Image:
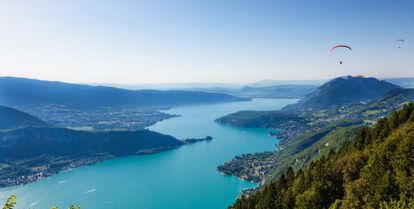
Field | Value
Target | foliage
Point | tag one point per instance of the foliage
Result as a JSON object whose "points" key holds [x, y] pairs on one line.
{"points": [[402, 203], [11, 202], [331, 141], [375, 170], [261, 119]]}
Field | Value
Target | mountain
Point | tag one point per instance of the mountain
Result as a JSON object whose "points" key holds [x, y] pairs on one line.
{"points": [[281, 91], [288, 91], [269, 82], [395, 97], [373, 170], [32, 153], [307, 132], [275, 92], [34, 141], [21, 91], [403, 82], [170, 86], [385, 104], [344, 90], [260, 119], [11, 118], [335, 100]]}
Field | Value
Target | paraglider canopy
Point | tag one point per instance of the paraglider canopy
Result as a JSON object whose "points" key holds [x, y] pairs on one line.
{"points": [[399, 42], [340, 46]]}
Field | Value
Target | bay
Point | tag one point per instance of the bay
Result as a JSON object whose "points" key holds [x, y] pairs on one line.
{"points": [[181, 178]]}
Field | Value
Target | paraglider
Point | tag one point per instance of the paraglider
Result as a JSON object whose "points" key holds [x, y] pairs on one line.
{"points": [[340, 46], [399, 42]]}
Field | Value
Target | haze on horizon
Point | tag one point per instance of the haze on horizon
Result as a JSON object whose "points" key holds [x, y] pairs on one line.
{"points": [[133, 42]]}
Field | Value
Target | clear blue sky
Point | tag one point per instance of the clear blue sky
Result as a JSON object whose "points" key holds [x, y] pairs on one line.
{"points": [[154, 41]]}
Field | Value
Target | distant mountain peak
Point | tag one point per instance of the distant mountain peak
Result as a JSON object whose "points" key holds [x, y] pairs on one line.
{"points": [[350, 76], [346, 77], [345, 90]]}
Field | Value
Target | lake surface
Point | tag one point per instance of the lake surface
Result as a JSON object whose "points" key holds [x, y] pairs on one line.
{"points": [[178, 179]]}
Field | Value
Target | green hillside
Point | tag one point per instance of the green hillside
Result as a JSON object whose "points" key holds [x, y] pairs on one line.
{"points": [[374, 170]]}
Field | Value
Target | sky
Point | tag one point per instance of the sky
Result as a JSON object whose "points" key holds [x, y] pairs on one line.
{"points": [[208, 41]]}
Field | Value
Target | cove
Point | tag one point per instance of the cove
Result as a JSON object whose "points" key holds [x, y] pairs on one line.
{"points": [[177, 179]]}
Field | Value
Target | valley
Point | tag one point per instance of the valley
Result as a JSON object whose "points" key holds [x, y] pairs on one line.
{"points": [[173, 104], [112, 118], [256, 140], [153, 180]]}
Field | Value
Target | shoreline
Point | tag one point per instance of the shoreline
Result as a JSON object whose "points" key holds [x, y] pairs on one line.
{"points": [[55, 165], [40, 172]]}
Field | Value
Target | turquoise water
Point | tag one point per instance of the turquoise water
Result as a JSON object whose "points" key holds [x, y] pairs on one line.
{"points": [[182, 178]]}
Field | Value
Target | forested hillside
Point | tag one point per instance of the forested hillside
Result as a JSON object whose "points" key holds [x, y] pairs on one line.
{"points": [[28, 154], [374, 170], [11, 118]]}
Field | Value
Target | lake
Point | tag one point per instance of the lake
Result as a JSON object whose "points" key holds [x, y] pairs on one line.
{"points": [[178, 179]]}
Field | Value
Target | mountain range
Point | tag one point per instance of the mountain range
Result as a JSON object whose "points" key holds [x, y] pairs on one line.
{"points": [[288, 91], [22, 91]]}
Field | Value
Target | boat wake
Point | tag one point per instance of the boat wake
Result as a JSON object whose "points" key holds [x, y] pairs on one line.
{"points": [[89, 191], [33, 204], [63, 181]]}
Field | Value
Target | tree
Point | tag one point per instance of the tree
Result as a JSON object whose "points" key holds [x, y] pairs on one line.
{"points": [[11, 202], [376, 170]]}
